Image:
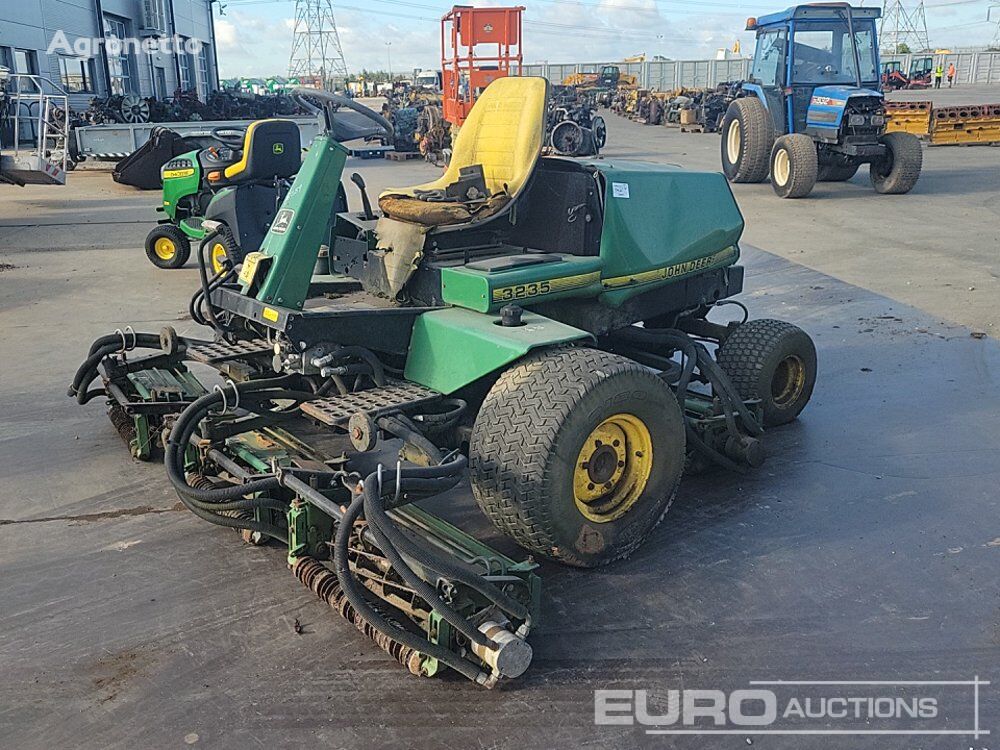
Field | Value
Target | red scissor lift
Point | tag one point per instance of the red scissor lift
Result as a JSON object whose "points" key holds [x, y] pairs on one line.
{"points": [[468, 65]]}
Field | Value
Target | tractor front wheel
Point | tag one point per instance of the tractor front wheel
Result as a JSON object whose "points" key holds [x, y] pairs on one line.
{"points": [[794, 166], [168, 247], [576, 454], [899, 170], [773, 361], [747, 136]]}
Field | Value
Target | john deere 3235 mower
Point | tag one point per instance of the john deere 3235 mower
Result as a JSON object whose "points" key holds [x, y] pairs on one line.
{"points": [[536, 324]]}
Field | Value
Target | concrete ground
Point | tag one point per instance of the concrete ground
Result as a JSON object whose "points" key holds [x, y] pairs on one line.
{"points": [[867, 548]]}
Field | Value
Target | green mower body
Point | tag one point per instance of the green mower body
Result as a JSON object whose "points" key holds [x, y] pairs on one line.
{"points": [[553, 347], [182, 192]]}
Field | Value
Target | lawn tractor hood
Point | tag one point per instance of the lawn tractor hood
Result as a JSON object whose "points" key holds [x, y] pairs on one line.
{"points": [[829, 104]]}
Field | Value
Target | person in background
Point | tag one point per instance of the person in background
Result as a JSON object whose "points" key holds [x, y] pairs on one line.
{"points": [[951, 74], [938, 75]]}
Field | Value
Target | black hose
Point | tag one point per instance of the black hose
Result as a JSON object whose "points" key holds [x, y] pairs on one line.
{"points": [[354, 592], [377, 520], [87, 371], [234, 523], [442, 566], [378, 371], [721, 383], [187, 422], [206, 285], [404, 429]]}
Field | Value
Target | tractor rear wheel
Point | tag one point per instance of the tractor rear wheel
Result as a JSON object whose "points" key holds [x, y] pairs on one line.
{"points": [[899, 171], [836, 173], [168, 247], [793, 166], [576, 454], [747, 137], [773, 361]]}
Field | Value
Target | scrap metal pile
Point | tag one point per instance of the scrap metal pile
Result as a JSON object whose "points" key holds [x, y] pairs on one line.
{"points": [[418, 121], [573, 127], [185, 106], [699, 109]]}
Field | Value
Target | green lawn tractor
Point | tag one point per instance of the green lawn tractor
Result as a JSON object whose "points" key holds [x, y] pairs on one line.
{"points": [[239, 184], [535, 326]]}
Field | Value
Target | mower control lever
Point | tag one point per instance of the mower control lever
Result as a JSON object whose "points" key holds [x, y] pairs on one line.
{"points": [[358, 180]]}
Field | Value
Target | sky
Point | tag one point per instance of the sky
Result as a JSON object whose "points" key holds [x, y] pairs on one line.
{"points": [[254, 37]]}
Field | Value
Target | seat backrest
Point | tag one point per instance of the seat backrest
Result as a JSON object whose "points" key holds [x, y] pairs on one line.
{"points": [[271, 148], [503, 133]]}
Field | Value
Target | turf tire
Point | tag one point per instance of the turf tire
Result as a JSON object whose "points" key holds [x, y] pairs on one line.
{"points": [[899, 171], [745, 151], [529, 432], [753, 357]]}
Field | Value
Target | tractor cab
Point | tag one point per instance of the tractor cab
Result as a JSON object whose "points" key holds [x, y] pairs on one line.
{"points": [[609, 77], [811, 60], [812, 110]]}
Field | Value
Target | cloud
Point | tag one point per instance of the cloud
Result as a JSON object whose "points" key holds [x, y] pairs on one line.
{"points": [[257, 41]]}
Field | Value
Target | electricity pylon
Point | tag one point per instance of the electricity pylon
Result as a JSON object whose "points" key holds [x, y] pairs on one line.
{"points": [[903, 27], [317, 58]]}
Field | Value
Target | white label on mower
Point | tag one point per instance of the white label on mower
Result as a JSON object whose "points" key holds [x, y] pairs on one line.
{"points": [[619, 189], [282, 221]]}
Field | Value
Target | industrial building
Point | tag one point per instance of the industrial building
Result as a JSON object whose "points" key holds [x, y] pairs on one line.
{"points": [[50, 38]]}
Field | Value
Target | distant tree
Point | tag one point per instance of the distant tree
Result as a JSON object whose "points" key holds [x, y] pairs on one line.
{"points": [[902, 48]]}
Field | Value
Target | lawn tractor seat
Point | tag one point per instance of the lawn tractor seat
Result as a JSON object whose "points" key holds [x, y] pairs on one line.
{"points": [[501, 138], [271, 149]]}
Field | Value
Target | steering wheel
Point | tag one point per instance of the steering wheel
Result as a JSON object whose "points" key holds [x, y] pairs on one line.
{"points": [[378, 127], [229, 136]]}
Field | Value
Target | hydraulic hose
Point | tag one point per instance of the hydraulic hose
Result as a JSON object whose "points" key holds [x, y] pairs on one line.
{"points": [[378, 371], [87, 371], [234, 523], [730, 401], [377, 519], [206, 285], [404, 429], [187, 422], [720, 381], [354, 592], [440, 565]]}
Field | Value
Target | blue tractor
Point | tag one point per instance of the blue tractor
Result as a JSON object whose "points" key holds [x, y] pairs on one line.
{"points": [[812, 109]]}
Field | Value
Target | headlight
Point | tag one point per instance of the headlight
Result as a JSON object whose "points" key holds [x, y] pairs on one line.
{"points": [[857, 120], [878, 120]]}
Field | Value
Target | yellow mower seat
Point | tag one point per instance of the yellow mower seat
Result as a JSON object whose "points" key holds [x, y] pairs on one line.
{"points": [[503, 133]]}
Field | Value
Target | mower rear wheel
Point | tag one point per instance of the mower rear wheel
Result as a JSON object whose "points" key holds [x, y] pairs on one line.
{"points": [[576, 454], [747, 137], [168, 247], [899, 171], [793, 166], [773, 361]]}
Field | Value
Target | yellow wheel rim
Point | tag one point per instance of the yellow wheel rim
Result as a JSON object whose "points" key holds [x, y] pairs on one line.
{"points": [[218, 256], [788, 380], [782, 167], [734, 140], [612, 468], [164, 248]]}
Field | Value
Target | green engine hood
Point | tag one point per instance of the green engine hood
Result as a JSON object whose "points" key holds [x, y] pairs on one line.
{"points": [[661, 223]]}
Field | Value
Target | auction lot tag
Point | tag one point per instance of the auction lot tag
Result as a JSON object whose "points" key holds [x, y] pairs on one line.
{"points": [[619, 189]]}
